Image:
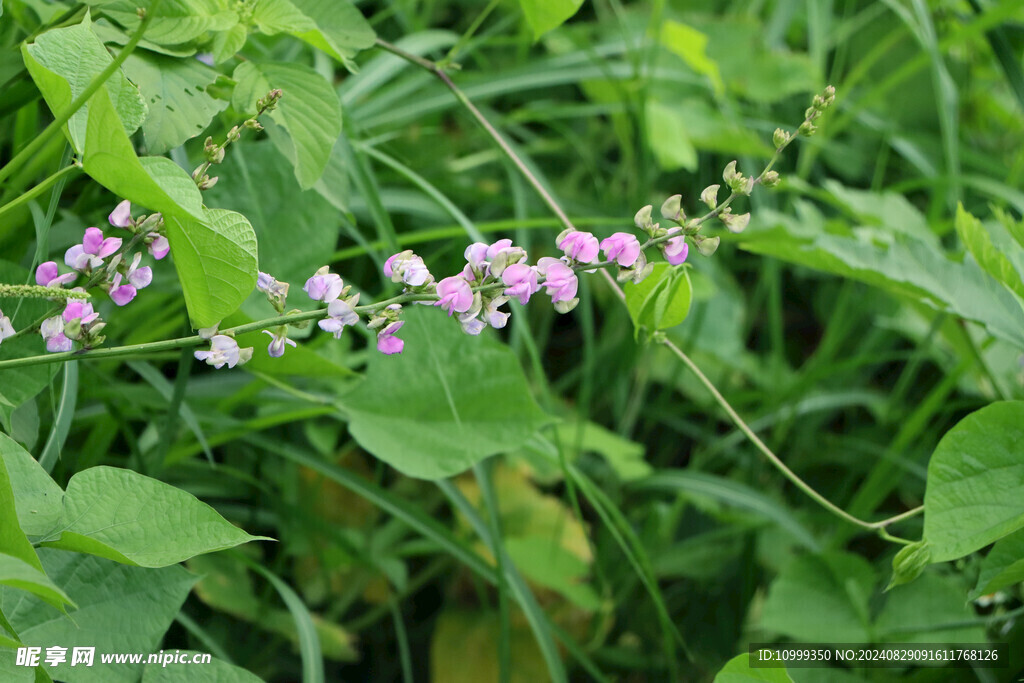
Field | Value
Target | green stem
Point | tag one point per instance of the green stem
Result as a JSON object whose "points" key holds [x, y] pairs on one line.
{"points": [[38, 189], [95, 84]]}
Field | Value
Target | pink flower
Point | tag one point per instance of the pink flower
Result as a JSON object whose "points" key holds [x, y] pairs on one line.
{"points": [[622, 248], [521, 282], [80, 310], [121, 216], [476, 255], [91, 252], [340, 313], [454, 295], [158, 245], [121, 294], [579, 246], [223, 350], [277, 342], [52, 330], [47, 275], [387, 342], [407, 268], [676, 249], [559, 278], [324, 286]]}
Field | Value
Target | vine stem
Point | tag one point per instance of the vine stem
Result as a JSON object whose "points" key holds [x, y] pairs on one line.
{"points": [[95, 84], [774, 459]]}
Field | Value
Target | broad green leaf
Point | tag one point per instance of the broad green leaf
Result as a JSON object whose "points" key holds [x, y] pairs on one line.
{"points": [[120, 609], [226, 44], [691, 45], [341, 30], [738, 670], [214, 671], [13, 541], [661, 300], [37, 497], [925, 610], [464, 649], [280, 16], [446, 402], [544, 15], [297, 230], [176, 21], [175, 91], [973, 491], [550, 565], [227, 586], [821, 598], [668, 136], [1003, 260], [888, 210], [115, 513], [309, 110], [19, 574], [64, 61], [1003, 566], [19, 385], [130, 518], [624, 456], [216, 261], [911, 269]]}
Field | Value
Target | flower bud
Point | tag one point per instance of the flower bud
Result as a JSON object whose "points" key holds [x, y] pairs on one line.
{"points": [[779, 138], [735, 222], [643, 217], [566, 306], [73, 328], [672, 208], [730, 174], [770, 179], [807, 129], [707, 245], [710, 196]]}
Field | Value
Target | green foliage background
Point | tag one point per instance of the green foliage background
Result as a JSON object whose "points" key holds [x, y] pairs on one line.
{"points": [[562, 499]]}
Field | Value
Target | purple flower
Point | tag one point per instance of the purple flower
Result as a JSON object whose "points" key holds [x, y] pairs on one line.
{"points": [[157, 244], [496, 248], [559, 278], [340, 313], [223, 349], [121, 294], [407, 268], [6, 329], [121, 216], [275, 291], [476, 255], [622, 248], [387, 342], [47, 275], [495, 318], [52, 330], [676, 249], [79, 310], [521, 282], [91, 252], [324, 286], [579, 246], [454, 295], [277, 342], [139, 277]]}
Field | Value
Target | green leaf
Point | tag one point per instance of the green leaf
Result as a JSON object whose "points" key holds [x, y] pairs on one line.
{"points": [[64, 61], [115, 513], [738, 670], [120, 609], [176, 21], [972, 495], [1003, 261], [13, 541], [176, 92], [280, 16], [691, 45], [309, 110], [669, 139], [297, 230], [19, 574], [341, 30], [544, 15], [908, 563], [821, 598], [226, 44], [548, 564], [624, 456], [661, 300], [925, 610], [1003, 566], [216, 261], [214, 671], [301, 361], [445, 403]]}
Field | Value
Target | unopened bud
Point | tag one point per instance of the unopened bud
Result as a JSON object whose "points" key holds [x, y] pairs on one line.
{"points": [[780, 138], [207, 182], [710, 196], [253, 124], [672, 209], [730, 174], [807, 129], [233, 134], [566, 306], [736, 222], [643, 217], [770, 179], [707, 245]]}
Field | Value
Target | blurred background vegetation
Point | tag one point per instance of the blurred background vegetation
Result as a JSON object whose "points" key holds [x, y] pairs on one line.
{"points": [[825, 324]]}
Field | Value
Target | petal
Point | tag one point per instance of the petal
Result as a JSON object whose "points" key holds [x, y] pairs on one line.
{"points": [[141, 277], [46, 273], [109, 246], [93, 240], [121, 216], [389, 344], [159, 247], [122, 295], [58, 344], [76, 258]]}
